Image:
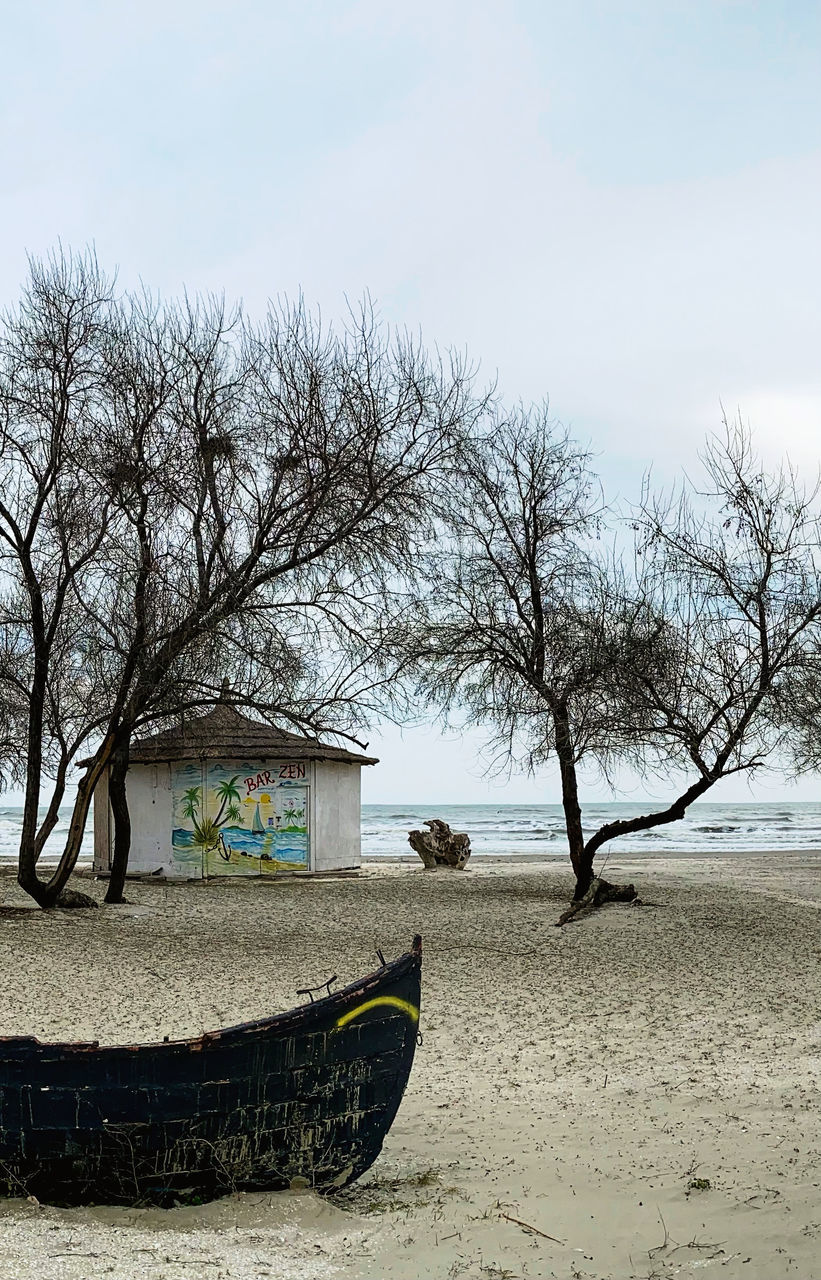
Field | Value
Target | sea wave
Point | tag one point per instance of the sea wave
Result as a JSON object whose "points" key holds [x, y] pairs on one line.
{"points": [[528, 829], [537, 829]]}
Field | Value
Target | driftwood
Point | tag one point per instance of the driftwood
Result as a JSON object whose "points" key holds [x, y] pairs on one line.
{"points": [[600, 891], [71, 898], [440, 847]]}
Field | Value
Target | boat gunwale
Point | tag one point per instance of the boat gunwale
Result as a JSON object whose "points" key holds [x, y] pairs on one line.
{"points": [[312, 1010]]}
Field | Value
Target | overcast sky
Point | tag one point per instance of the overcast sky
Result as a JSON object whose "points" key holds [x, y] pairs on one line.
{"points": [[616, 204]]}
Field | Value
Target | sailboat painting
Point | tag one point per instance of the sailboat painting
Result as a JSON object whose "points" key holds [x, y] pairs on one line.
{"points": [[240, 818]]}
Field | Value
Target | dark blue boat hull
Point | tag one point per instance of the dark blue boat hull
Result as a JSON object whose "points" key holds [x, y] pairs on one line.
{"points": [[304, 1098]]}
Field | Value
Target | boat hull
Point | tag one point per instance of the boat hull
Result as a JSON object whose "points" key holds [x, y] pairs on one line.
{"points": [[303, 1098]]}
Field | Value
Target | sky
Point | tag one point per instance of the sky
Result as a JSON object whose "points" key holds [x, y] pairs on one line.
{"points": [[615, 205]]}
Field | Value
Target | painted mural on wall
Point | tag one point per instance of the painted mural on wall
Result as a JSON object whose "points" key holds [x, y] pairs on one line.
{"points": [[249, 819]]}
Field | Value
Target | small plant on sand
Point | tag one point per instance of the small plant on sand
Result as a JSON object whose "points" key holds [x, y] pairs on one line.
{"points": [[466, 1269], [699, 1184], [397, 1195]]}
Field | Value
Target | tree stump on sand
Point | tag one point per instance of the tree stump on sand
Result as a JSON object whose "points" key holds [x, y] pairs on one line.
{"points": [[71, 898], [440, 847], [600, 891]]}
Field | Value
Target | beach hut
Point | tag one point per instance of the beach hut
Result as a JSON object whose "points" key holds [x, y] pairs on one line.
{"points": [[223, 795]]}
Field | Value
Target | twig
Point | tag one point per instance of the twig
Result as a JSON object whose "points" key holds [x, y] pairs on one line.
{"points": [[528, 1226], [13, 1176], [192, 1262], [659, 1248], [72, 1254]]}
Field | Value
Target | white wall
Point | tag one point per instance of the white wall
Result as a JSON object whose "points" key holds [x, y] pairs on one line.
{"points": [[336, 838], [148, 791]]}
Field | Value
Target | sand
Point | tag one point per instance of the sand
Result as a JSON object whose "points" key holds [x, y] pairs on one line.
{"points": [[636, 1095]]}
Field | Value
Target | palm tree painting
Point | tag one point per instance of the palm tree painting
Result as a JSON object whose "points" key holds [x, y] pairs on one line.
{"points": [[234, 824], [206, 831], [191, 802], [228, 796], [292, 817]]}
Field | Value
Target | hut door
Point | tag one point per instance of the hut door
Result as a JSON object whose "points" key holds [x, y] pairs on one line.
{"points": [[258, 819], [292, 808]]}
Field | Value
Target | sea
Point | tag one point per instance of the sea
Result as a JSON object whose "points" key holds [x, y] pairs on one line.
{"points": [[511, 830], [538, 829]]}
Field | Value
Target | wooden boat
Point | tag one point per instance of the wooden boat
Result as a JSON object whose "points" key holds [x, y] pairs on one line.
{"points": [[303, 1098]]}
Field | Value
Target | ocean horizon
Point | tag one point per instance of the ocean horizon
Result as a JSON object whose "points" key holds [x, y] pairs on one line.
{"points": [[513, 830], [537, 830]]}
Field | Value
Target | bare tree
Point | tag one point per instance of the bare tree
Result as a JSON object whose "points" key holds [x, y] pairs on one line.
{"points": [[733, 571], [236, 493], [53, 519], [675, 667]]}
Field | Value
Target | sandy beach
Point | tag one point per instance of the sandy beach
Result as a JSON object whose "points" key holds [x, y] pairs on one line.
{"points": [[635, 1095]]}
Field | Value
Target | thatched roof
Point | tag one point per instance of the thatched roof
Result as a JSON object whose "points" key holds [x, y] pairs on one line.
{"points": [[224, 733]]}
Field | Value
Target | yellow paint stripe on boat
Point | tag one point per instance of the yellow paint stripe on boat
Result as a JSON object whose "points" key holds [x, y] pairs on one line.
{"points": [[394, 1001]]}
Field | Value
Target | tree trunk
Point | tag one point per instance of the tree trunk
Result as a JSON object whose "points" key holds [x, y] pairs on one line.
{"points": [[582, 866], [28, 853], [592, 891], [647, 821], [46, 893], [52, 817], [122, 822]]}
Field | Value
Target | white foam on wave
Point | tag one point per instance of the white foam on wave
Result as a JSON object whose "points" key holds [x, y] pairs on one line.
{"points": [[532, 829]]}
